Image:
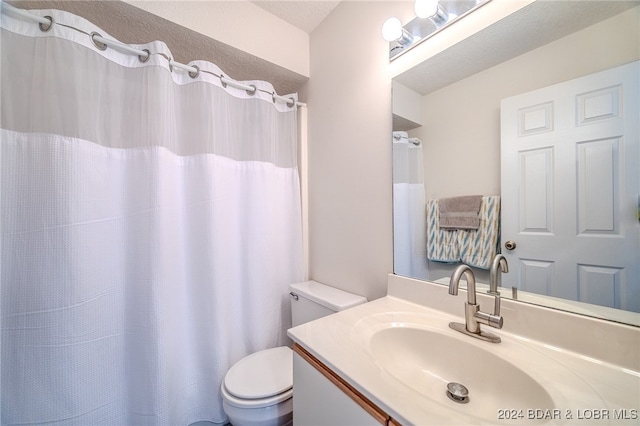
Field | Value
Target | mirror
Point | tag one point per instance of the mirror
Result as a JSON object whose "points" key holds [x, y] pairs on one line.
{"points": [[451, 104]]}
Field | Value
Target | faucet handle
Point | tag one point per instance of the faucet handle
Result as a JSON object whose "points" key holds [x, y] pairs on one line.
{"points": [[494, 321]]}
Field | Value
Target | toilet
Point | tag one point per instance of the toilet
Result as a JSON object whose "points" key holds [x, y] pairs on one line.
{"points": [[258, 389]]}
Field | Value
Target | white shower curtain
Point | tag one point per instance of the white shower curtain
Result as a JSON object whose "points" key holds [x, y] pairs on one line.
{"points": [[151, 225], [409, 217]]}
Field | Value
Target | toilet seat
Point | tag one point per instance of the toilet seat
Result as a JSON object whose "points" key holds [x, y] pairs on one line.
{"points": [[255, 403], [260, 379]]}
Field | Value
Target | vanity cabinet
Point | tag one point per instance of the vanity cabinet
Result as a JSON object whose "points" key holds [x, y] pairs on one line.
{"points": [[321, 397]]}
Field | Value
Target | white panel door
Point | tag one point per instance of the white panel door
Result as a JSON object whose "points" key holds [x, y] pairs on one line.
{"points": [[570, 189]]}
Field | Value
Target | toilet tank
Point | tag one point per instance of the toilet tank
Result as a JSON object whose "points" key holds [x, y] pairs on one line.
{"points": [[312, 300]]}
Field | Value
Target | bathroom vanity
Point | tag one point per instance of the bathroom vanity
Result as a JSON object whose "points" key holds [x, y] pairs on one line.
{"points": [[389, 361], [340, 403]]}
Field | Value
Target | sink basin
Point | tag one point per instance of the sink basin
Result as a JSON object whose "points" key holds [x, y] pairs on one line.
{"points": [[402, 356], [427, 359]]}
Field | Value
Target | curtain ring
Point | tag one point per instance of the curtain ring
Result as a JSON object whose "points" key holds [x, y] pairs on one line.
{"points": [[144, 59], [196, 73], [224, 85], [97, 44], [170, 66], [253, 90], [43, 27], [293, 102]]}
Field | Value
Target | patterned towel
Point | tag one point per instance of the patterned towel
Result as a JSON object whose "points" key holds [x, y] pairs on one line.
{"points": [[479, 247], [474, 247], [442, 244]]}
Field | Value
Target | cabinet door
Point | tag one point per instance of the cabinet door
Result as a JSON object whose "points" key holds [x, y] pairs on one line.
{"points": [[318, 401]]}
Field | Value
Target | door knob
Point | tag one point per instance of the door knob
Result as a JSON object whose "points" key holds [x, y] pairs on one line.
{"points": [[510, 245]]}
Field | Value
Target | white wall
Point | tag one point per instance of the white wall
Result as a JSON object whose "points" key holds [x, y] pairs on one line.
{"points": [[406, 107], [349, 97]]}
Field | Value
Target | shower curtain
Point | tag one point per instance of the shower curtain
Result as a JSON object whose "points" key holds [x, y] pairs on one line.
{"points": [[409, 218], [150, 227]]}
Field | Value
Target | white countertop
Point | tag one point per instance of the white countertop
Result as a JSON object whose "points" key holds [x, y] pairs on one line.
{"points": [[581, 387]]}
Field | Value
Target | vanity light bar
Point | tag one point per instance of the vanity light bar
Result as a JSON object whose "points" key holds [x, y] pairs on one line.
{"points": [[432, 17]]}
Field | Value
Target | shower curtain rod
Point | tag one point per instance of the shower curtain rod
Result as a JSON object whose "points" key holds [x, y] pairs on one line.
{"points": [[45, 23], [414, 141]]}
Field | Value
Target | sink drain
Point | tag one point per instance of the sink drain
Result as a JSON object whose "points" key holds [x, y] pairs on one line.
{"points": [[458, 393]]}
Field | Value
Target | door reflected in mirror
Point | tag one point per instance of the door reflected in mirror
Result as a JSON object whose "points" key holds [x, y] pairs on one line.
{"points": [[593, 265]]}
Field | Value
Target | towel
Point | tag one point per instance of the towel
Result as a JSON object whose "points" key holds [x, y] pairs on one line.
{"points": [[442, 245], [460, 212], [479, 247], [475, 247]]}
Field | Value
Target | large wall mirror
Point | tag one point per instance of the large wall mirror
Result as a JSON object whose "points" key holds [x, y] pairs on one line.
{"points": [[449, 124]]}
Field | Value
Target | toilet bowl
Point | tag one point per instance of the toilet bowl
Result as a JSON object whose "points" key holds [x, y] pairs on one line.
{"points": [[258, 389]]}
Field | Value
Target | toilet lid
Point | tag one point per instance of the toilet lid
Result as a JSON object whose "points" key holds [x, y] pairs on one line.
{"points": [[261, 374]]}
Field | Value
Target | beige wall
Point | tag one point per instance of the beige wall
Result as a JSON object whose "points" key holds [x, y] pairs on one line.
{"points": [[240, 24], [349, 97], [461, 133]]}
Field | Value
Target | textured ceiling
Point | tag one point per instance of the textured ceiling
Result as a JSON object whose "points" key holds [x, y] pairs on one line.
{"points": [[305, 15]]}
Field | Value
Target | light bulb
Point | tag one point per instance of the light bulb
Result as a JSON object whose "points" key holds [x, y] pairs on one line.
{"points": [[426, 8], [392, 29]]}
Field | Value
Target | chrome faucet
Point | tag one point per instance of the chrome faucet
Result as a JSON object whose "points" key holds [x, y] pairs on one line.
{"points": [[494, 279], [472, 314]]}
